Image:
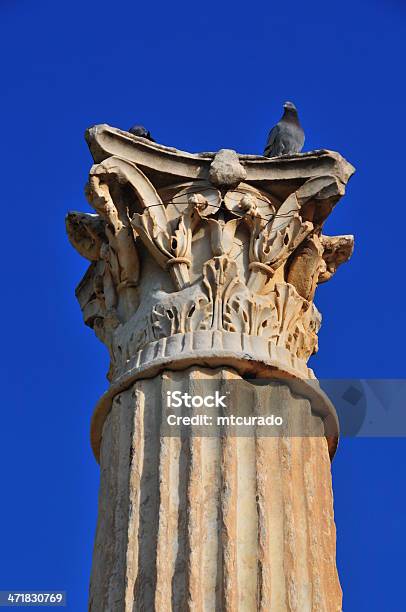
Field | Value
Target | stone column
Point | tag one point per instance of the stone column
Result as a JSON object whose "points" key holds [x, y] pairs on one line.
{"points": [[203, 272]]}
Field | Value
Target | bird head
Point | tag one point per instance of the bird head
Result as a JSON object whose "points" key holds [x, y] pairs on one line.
{"points": [[289, 106]]}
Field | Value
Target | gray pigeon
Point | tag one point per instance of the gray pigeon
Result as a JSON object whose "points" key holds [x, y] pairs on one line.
{"points": [[139, 130], [287, 136]]}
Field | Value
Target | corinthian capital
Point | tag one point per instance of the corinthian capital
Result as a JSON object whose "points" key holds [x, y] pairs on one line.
{"points": [[205, 258]]}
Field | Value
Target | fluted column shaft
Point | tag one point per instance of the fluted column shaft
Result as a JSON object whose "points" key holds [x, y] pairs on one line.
{"points": [[230, 523]]}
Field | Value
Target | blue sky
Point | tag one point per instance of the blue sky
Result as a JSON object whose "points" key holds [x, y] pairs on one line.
{"points": [[201, 77]]}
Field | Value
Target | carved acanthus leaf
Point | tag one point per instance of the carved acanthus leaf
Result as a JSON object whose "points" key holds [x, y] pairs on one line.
{"points": [[272, 241], [180, 317], [289, 307], [248, 315], [222, 282], [171, 246]]}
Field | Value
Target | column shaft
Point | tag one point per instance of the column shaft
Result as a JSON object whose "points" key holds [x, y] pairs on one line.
{"points": [[233, 523]]}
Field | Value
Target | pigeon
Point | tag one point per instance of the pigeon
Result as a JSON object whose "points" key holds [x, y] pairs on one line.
{"points": [[139, 130], [287, 136]]}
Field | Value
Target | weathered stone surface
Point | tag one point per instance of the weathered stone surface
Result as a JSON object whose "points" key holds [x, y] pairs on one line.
{"points": [[209, 261], [336, 251], [210, 523], [226, 170]]}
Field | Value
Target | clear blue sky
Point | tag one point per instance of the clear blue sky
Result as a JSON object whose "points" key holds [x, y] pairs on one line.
{"points": [[201, 76]]}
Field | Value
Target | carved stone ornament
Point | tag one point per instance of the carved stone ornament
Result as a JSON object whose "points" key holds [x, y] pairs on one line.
{"points": [[208, 259]]}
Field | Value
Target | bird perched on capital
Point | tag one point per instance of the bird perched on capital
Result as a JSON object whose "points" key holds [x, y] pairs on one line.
{"points": [[287, 136], [140, 130]]}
